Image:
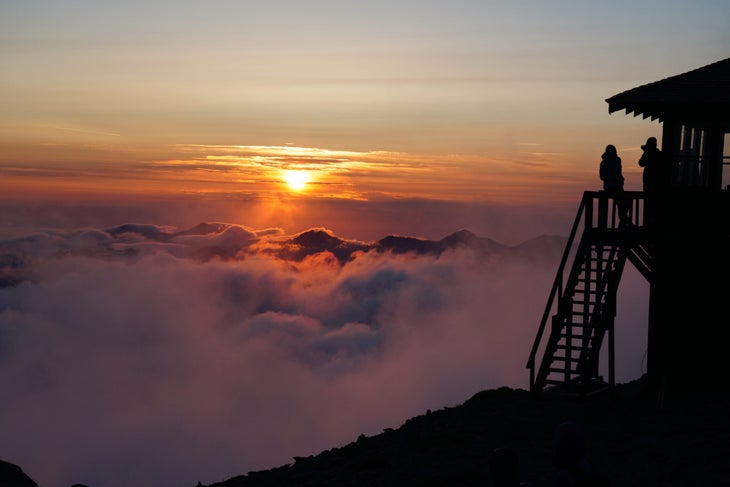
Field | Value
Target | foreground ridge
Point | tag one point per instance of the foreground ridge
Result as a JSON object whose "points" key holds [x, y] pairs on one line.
{"points": [[632, 440]]}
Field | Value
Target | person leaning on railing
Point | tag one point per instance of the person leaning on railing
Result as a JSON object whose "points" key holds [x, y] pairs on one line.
{"points": [[611, 174]]}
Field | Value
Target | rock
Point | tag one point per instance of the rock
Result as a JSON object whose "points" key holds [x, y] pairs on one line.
{"points": [[12, 475]]}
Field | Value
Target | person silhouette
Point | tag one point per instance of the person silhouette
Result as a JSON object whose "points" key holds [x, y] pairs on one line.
{"points": [[655, 178], [652, 160], [611, 174]]}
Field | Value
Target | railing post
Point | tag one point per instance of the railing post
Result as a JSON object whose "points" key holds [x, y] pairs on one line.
{"points": [[602, 210], [588, 201]]}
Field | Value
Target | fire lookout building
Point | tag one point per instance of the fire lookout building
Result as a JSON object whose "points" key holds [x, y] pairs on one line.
{"points": [[682, 250]]}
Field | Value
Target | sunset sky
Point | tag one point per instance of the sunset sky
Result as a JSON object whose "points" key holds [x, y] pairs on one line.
{"points": [[471, 103], [138, 347]]}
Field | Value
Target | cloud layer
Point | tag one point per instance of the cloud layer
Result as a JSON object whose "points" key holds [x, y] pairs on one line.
{"points": [[145, 355]]}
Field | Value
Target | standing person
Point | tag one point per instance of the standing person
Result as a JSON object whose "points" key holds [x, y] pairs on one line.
{"points": [[652, 160], [656, 177], [611, 174]]}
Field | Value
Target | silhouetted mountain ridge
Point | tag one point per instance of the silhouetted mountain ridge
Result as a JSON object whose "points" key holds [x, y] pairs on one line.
{"points": [[541, 247], [206, 241], [546, 247], [204, 228], [403, 245], [631, 440]]}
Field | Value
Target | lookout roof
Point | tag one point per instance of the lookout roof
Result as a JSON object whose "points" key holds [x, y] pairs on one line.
{"points": [[700, 95]]}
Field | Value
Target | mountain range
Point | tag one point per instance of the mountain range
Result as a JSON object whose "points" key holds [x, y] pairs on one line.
{"points": [[207, 241]]}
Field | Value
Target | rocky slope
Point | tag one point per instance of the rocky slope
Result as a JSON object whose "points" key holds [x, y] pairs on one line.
{"points": [[632, 438]]}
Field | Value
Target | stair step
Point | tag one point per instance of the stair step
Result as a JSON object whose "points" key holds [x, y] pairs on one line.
{"points": [[562, 371], [580, 328], [577, 320], [594, 286], [595, 259], [574, 323], [586, 291], [562, 358], [599, 265], [554, 382], [578, 334], [565, 337], [580, 313], [581, 302]]}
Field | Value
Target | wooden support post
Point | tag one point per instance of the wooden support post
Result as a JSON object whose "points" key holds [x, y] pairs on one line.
{"points": [[611, 354], [602, 210]]}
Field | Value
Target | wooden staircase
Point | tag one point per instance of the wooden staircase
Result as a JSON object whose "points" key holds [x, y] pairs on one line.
{"points": [[582, 301]]}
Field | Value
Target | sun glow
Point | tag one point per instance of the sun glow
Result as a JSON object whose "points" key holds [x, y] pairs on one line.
{"points": [[296, 180]]}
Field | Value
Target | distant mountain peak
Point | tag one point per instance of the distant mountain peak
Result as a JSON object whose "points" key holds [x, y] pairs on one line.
{"points": [[460, 237], [205, 228], [402, 245], [316, 237]]}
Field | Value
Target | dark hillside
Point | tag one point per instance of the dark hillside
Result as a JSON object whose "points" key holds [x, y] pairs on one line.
{"points": [[631, 440]]}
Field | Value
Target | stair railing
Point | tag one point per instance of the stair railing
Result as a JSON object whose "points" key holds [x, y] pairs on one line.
{"points": [[586, 215]]}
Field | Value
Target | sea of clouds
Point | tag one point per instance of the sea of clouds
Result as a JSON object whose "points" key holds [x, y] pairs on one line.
{"points": [[146, 355]]}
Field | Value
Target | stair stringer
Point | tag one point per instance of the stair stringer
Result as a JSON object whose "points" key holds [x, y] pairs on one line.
{"points": [[585, 312]]}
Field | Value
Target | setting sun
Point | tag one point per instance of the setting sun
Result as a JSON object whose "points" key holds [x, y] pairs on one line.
{"points": [[296, 180]]}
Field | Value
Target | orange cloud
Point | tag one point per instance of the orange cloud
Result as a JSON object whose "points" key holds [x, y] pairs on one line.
{"points": [[260, 171]]}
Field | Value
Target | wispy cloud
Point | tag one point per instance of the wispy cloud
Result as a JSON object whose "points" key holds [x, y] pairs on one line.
{"points": [[359, 175], [71, 129], [337, 174]]}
